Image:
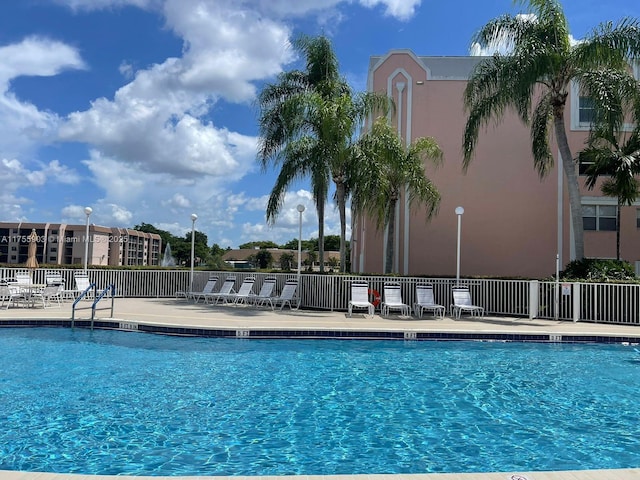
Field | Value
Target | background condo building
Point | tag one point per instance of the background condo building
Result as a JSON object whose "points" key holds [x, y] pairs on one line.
{"points": [[513, 223], [62, 244]]}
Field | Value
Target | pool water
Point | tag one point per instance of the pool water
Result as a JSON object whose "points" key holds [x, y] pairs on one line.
{"points": [[109, 402]]}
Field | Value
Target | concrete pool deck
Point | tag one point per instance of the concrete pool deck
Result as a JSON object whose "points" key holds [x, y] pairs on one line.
{"points": [[168, 312]]}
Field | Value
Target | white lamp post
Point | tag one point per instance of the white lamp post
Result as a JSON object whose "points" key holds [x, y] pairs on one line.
{"points": [[87, 212], [300, 209], [459, 212], [194, 217]]}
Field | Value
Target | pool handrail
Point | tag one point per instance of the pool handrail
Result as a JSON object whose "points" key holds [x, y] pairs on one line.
{"points": [[110, 287], [83, 294]]}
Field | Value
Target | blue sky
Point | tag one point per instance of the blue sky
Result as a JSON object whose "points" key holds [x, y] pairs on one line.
{"points": [[144, 109]]}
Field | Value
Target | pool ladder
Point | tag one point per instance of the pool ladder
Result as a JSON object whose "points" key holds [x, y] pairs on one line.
{"points": [[92, 288]]}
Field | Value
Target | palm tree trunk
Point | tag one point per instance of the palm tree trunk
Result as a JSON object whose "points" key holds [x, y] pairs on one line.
{"points": [[391, 235], [341, 199], [575, 199], [618, 231], [320, 209]]}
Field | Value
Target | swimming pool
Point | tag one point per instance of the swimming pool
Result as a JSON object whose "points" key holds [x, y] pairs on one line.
{"points": [[110, 402]]}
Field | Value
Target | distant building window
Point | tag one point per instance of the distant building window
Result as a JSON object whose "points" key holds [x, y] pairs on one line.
{"points": [[602, 218], [637, 217], [586, 111]]}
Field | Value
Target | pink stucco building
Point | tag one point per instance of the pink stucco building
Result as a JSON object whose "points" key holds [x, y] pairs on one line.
{"points": [[514, 223]]}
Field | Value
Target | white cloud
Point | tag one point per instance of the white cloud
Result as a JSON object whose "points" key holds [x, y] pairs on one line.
{"points": [[73, 214], [101, 4], [156, 122], [24, 126], [401, 9], [36, 56]]}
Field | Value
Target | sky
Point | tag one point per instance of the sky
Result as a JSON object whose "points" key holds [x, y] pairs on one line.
{"points": [[144, 110]]}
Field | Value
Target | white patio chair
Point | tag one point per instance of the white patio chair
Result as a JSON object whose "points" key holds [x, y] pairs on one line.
{"points": [[12, 294], [47, 295], [208, 288], [265, 295], [425, 302], [360, 298], [225, 289], [462, 303], [23, 278], [53, 277], [393, 300], [243, 293], [287, 296]]}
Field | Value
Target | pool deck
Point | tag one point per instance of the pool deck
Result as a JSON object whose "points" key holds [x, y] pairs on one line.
{"points": [[180, 313]]}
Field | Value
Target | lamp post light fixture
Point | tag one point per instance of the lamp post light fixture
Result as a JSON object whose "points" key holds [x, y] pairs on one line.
{"points": [[87, 212], [459, 212], [300, 209], [194, 217]]}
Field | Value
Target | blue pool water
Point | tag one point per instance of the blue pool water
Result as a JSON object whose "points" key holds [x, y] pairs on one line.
{"points": [[108, 402]]}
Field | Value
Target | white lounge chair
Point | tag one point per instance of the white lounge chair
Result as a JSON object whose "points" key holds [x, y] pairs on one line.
{"points": [[208, 288], [265, 295], [287, 296], [462, 303], [360, 298], [82, 284], [425, 302], [393, 300], [242, 295], [225, 289]]}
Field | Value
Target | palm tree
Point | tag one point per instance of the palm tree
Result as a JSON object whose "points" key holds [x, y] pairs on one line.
{"points": [[619, 159], [290, 131], [541, 66], [385, 169], [349, 113], [307, 124]]}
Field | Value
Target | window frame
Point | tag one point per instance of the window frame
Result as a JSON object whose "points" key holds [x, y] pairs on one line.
{"points": [[598, 217]]}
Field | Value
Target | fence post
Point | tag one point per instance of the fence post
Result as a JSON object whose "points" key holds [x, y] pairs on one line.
{"points": [[534, 294], [576, 301]]}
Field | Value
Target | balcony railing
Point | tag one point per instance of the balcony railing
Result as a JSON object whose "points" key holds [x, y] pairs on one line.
{"points": [[591, 302]]}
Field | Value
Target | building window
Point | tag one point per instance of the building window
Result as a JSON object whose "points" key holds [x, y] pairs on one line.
{"points": [[637, 217], [601, 218], [586, 111], [583, 166]]}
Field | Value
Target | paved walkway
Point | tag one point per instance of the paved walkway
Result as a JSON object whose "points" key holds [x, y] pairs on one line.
{"points": [[170, 312]]}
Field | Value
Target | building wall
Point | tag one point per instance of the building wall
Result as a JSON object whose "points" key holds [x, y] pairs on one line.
{"points": [[510, 221]]}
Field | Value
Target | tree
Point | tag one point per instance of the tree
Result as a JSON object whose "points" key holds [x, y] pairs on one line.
{"points": [[259, 244], [385, 169], [312, 256], [307, 123], [264, 258], [286, 261], [215, 257], [616, 154], [332, 242], [541, 65]]}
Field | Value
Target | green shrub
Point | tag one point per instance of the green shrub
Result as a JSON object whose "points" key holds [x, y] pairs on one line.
{"points": [[599, 270]]}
